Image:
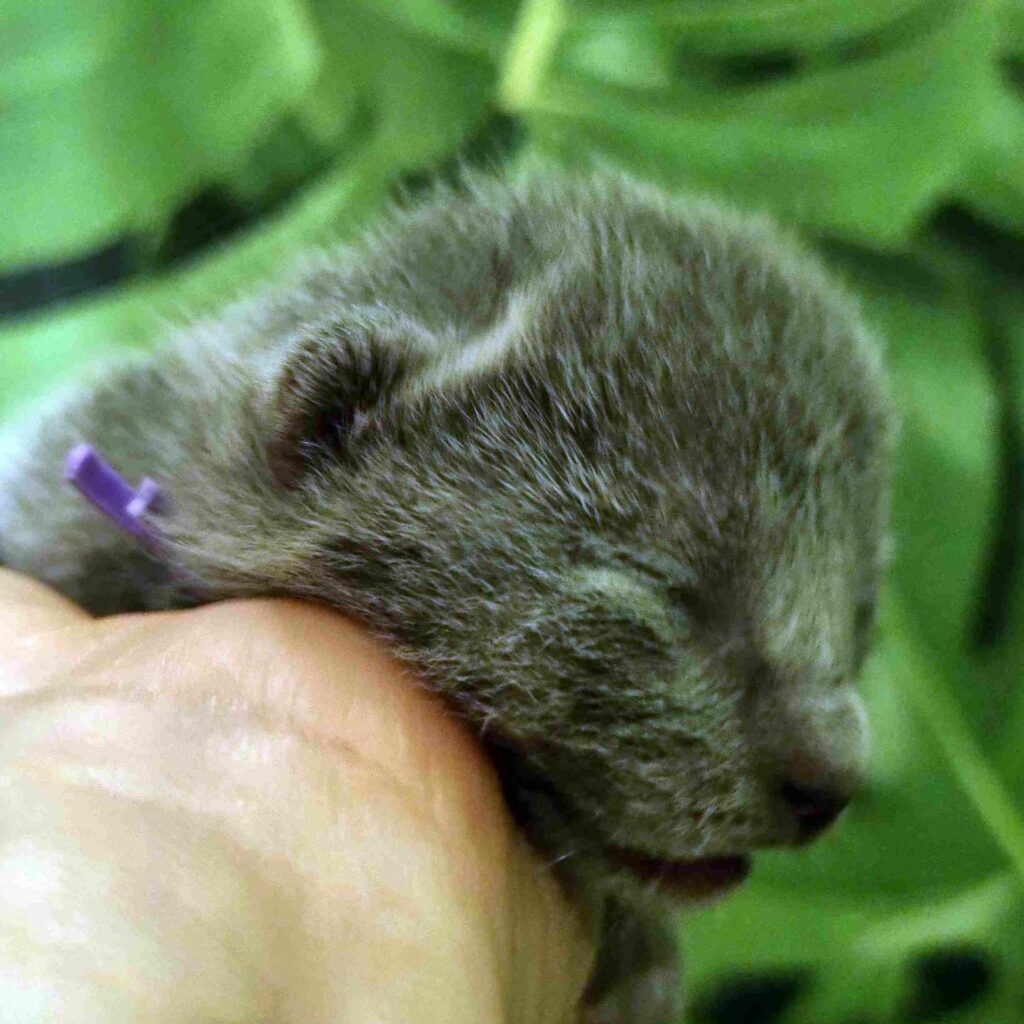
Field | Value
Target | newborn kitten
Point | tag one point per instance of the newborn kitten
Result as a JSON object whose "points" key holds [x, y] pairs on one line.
{"points": [[609, 470]]}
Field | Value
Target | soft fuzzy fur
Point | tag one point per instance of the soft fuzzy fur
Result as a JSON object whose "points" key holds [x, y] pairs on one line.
{"points": [[609, 470]]}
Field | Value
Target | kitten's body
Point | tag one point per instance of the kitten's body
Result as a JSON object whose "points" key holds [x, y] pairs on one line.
{"points": [[609, 471]]}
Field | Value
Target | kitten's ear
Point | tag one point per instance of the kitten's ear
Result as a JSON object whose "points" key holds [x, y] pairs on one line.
{"points": [[331, 389]]}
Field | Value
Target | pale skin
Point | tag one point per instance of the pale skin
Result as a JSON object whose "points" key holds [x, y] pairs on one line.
{"points": [[250, 812]]}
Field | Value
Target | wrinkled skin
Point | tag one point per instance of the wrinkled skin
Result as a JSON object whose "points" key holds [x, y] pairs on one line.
{"points": [[247, 813], [610, 472]]}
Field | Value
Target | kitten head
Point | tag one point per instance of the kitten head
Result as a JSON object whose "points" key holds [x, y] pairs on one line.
{"points": [[621, 493]]}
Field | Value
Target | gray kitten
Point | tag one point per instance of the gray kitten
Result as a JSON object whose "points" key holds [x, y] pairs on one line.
{"points": [[608, 469]]}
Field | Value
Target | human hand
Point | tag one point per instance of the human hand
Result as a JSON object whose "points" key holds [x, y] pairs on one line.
{"points": [[248, 812]]}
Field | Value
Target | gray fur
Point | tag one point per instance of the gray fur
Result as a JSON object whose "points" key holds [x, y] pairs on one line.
{"points": [[616, 486]]}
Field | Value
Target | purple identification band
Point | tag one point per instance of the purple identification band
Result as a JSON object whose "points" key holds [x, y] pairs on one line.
{"points": [[101, 485]]}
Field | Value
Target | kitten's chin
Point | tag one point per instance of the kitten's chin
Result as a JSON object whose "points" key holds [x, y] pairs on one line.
{"points": [[701, 881]]}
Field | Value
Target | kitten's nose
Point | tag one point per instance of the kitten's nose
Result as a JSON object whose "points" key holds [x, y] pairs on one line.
{"points": [[815, 806]]}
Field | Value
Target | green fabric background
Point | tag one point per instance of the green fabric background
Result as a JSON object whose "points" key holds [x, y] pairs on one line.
{"points": [[890, 131]]}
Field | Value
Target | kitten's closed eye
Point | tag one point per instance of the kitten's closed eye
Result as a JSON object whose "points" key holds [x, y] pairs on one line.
{"points": [[672, 581]]}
